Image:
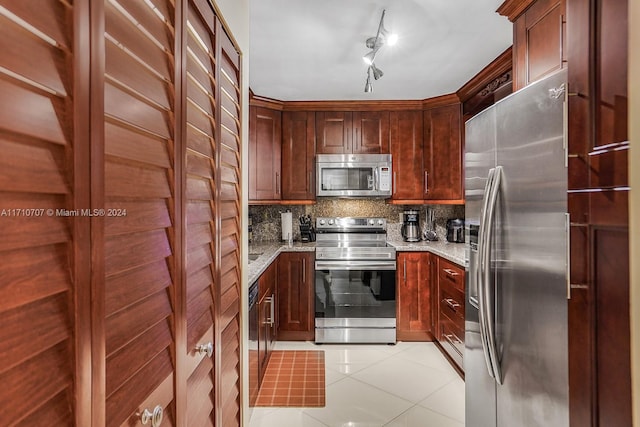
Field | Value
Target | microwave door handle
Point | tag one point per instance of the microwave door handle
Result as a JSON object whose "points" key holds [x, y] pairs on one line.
{"points": [[376, 179]]}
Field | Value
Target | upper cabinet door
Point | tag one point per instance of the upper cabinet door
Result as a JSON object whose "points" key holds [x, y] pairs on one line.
{"points": [[264, 154], [406, 148], [371, 132], [538, 40], [442, 153], [333, 132], [298, 150]]}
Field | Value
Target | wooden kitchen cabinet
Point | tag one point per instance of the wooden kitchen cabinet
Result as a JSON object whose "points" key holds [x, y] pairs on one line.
{"points": [[599, 336], [450, 282], [538, 38], [295, 293], [298, 155], [265, 133], [345, 132], [442, 154], [413, 295], [406, 134], [267, 316]]}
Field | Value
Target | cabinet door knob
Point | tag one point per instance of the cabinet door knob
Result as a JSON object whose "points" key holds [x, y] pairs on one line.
{"points": [[205, 349], [155, 417]]}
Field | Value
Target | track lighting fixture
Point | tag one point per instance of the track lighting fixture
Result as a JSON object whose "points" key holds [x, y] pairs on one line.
{"points": [[367, 87], [383, 36]]}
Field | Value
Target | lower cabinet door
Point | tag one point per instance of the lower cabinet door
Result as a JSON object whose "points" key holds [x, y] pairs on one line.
{"points": [[295, 296], [413, 287]]}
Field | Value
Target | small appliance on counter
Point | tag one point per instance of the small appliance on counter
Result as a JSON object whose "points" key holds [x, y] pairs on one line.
{"points": [[307, 232], [411, 226], [455, 230], [429, 227]]}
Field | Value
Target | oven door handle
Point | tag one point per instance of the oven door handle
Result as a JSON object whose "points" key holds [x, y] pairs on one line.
{"points": [[355, 265]]}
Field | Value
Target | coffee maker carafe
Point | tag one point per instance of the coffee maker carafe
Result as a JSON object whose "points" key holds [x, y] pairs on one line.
{"points": [[411, 226]]}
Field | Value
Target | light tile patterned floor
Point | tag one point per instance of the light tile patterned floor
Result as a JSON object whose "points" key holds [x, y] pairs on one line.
{"points": [[406, 385]]}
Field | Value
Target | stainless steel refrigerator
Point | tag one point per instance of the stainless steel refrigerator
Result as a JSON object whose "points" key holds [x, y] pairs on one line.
{"points": [[516, 349]]}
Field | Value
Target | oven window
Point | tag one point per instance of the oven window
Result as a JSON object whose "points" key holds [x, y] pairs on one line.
{"points": [[355, 294], [336, 179]]}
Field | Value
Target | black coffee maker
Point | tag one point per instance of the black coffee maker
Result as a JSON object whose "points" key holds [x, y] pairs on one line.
{"points": [[455, 230], [411, 226]]}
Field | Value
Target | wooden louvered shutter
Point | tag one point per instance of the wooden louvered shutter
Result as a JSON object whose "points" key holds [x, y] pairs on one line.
{"points": [[43, 267], [139, 242], [228, 224], [200, 225]]}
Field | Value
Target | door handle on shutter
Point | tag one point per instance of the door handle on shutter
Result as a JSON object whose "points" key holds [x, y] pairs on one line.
{"points": [[155, 417], [205, 349], [426, 182], [277, 183]]}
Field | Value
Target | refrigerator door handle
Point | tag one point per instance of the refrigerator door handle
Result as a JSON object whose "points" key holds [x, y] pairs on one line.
{"points": [[489, 301], [482, 315]]}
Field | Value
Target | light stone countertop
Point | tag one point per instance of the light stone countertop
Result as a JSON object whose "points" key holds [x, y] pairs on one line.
{"points": [[269, 251]]}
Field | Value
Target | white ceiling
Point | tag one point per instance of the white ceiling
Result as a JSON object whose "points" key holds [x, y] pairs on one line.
{"points": [[302, 50]]}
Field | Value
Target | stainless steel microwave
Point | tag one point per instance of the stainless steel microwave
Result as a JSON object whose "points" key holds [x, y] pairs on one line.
{"points": [[353, 175]]}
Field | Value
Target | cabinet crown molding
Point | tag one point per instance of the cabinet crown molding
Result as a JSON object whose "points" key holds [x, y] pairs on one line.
{"points": [[501, 65], [512, 9], [392, 105]]}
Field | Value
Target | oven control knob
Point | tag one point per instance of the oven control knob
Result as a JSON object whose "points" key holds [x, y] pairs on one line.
{"points": [[380, 222], [322, 222], [330, 222], [371, 222]]}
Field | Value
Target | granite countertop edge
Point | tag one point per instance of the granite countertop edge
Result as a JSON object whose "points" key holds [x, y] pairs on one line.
{"points": [[454, 252]]}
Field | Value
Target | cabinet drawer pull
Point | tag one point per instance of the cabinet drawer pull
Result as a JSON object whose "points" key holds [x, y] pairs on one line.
{"points": [[205, 349], [453, 340], [155, 417], [272, 310], [451, 272], [451, 303]]}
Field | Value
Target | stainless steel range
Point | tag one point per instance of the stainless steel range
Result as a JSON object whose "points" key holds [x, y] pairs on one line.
{"points": [[355, 281]]}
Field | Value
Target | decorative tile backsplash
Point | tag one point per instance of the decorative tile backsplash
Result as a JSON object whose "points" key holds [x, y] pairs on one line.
{"points": [[266, 219]]}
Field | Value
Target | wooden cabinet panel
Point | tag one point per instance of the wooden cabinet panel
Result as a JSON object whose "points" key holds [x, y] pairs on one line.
{"points": [[611, 268], [611, 73], [298, 155], [406, 136], [264, 153], [365, 132], [333, 132], [413, 294], [450, 288], [538, 41], [267, 315], [295, 296], [371, 132], [443, 153]]}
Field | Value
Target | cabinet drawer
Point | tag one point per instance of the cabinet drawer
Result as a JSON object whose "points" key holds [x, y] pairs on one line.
{"points": [[452, 303], [452, 340], [451, 273]]}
